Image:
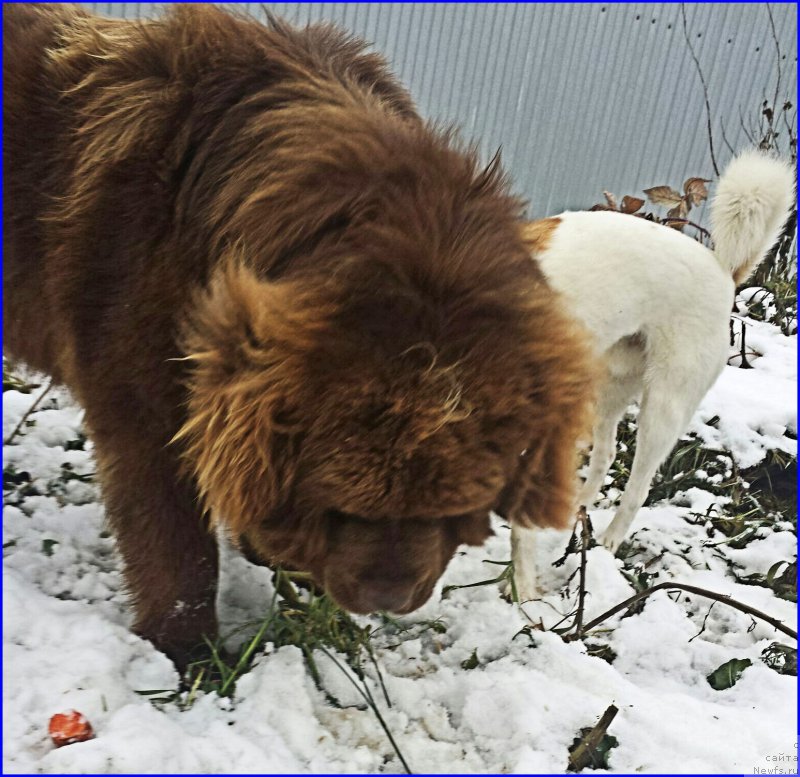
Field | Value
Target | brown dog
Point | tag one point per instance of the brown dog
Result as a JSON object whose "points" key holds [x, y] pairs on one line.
{"points": [[286, 303]]}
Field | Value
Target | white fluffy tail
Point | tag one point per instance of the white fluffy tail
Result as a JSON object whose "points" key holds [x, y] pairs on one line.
{"points": [[753, 199]]}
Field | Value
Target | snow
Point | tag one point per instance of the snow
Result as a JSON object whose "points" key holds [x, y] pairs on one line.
{"points": [[67, 642], [757, 406]]}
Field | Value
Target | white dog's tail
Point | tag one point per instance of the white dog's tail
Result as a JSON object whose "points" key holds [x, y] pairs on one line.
{"points": [[753, 199]]}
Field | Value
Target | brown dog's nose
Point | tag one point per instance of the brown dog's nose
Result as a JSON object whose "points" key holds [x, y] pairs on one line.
{"points": [[392, 595]]}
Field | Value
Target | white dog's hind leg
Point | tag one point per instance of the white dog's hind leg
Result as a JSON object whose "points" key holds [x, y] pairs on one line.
{"points": [[681, 367], [604, 445], [665, 413], [610, 409], [623, 385]]}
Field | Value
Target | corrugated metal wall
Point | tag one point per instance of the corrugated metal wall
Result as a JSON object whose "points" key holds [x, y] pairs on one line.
{"points": [[581, 97]]}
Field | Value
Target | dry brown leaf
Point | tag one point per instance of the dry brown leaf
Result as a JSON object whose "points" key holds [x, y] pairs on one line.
{"points": [[663, 195], [696, 190], [680, 211], [630, 204]]}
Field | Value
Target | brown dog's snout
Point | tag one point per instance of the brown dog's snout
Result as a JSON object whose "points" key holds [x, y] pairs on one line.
{"points": [[386, 594], [367, 592]]}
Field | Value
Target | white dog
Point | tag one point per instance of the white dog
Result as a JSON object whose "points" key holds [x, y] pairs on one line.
{"points": [[657, 305]]}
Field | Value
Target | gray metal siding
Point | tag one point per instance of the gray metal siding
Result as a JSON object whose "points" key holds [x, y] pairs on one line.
{"points": [[581, 97]]}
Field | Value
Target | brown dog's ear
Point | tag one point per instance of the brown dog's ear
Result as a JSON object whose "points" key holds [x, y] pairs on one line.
{"points": [[248, 341], [542, 492]]}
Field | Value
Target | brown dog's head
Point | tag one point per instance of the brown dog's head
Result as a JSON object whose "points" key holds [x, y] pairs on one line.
{"points": [[366, 460], [359, 416]]}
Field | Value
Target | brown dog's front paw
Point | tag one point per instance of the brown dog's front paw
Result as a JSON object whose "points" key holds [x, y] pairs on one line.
{"points": [[182, 634]]}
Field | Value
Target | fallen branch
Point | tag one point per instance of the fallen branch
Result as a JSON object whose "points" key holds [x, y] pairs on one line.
{"points": [[28, 412], [745, 608], [581, 756]]}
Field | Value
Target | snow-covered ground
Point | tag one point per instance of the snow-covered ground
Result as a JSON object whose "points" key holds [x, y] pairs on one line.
{"points": [[67, 642]]}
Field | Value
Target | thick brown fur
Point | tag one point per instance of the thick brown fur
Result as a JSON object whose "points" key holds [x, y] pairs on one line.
{"points": [[288, 306]]}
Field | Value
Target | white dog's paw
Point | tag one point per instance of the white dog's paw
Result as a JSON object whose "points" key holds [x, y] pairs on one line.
{"points": [[612, 539]]}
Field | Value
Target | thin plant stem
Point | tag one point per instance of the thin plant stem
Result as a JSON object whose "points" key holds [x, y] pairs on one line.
{"points": [[369, 699], [28, 412]]}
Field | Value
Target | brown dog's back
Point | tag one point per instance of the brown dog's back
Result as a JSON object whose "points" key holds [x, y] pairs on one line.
{"points": [[32, 119]]}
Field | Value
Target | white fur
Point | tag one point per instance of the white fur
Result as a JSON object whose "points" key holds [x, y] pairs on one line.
{"points": [[749, 210], [657, 304]]}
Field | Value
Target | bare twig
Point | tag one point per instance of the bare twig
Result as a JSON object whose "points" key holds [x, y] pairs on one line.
{"points": [[747, 133], [790, 132], [777, 55], [705, 89], [28, 412], [581, 756], [586, 534], [675, 220], [725, 139], [745, 365], [743, 350], [745, 608], [705, 620]]}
